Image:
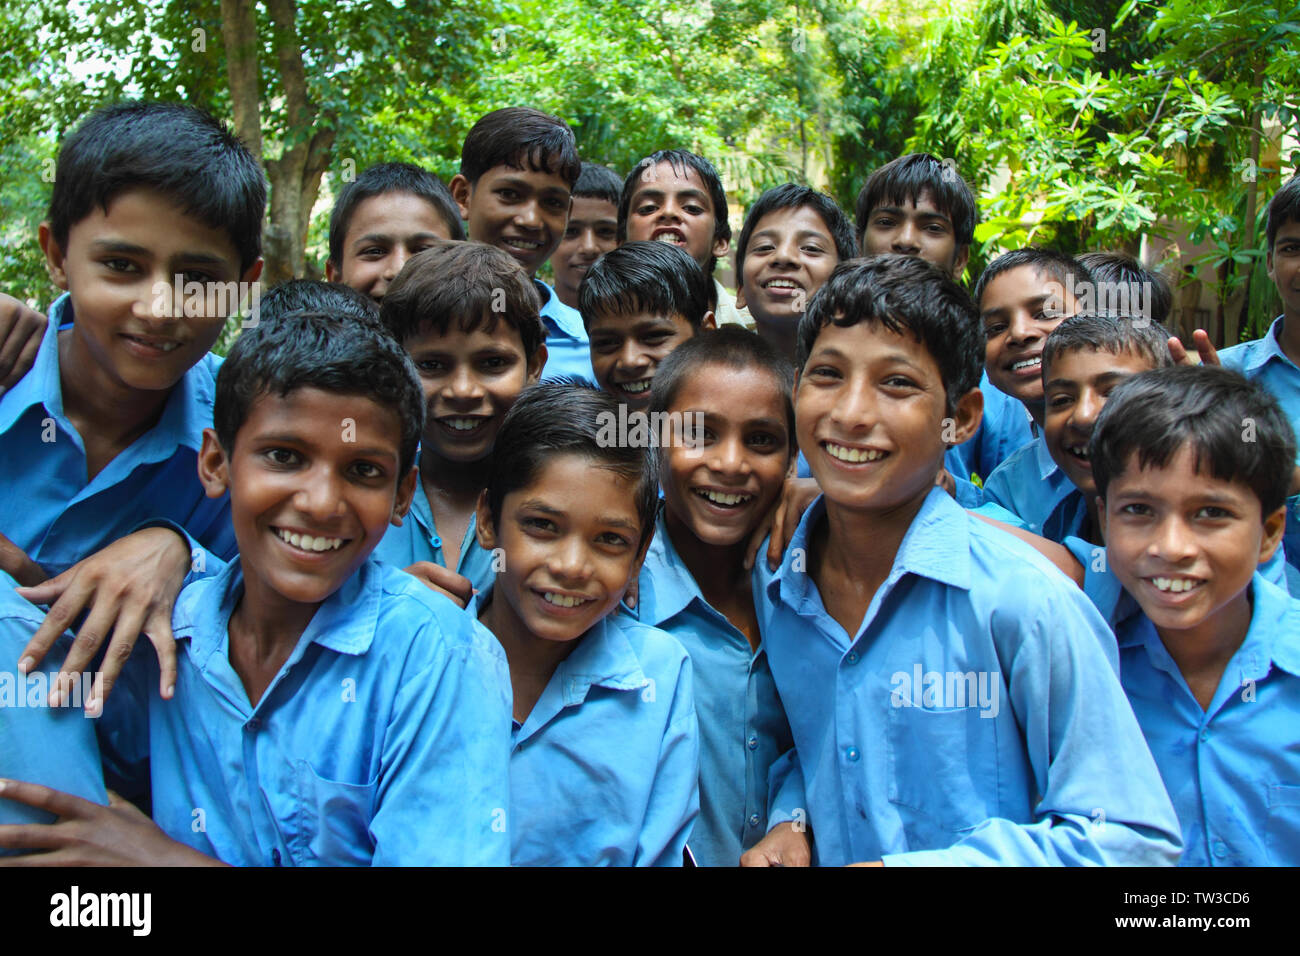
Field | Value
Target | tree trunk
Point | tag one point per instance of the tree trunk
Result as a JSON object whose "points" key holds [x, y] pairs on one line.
{"points": [[1238, 319]]}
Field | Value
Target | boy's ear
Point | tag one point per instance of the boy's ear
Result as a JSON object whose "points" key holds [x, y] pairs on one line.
{"points": [[1274, 526], [740, 297], [405, 494], [710, 321], [536, 364], [214, 467], [332, 272], [462, 192], [53, 255], [966, 417], [959, 260], [1101, 518], [254, 272], [720, 247], [483, 529]]}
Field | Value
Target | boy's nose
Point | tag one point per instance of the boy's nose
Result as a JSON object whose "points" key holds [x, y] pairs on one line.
{"points": [[1086, 410], [856, 406], [393, 264], [528, 215], [1173, 542], [728, 457], [568, 560], [1021, 327], [318, 495], [631, 355], [462, 384], [906, 240]]}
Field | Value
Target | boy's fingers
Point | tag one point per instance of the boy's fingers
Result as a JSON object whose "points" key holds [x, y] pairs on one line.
{"points": [[1205, 348], [776, 544], [25, 342], [159, 631], [126, 631], [90, 638], [43, 798], [72, 597], [1178, 352]]}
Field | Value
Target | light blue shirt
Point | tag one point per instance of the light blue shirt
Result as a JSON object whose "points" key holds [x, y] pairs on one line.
{"points": [[1233, 770], [417, 540], [55, 515], [1037, 493], [604, 771], [568, 351], [1264, 361], [1006, 426], [384, 738], [743, 728], [974, 718], [53, 746]]}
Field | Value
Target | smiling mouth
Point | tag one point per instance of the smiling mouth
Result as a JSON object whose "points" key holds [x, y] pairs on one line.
{"points": [[1079, 453], [853, 455], [517, 244], [307, 542], [638, 388], [564, 600], [463, 424], [722, 499], [674, 236], [158, 345], [782, 284], [1030, 364], [1176, 585]]}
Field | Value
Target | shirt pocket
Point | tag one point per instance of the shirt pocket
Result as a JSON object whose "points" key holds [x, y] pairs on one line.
{"points": [[332, 822], [1284, 825], [943, 772]]}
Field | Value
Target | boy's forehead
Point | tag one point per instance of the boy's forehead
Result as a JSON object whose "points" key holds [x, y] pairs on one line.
{"points": [[313, 412], [742, 394], [397, 213], [1082, 364], [529, 174], [582, 486], [609, 319], [592, 208], [130, 222], [866, 342], [793, 217], [663, 177], [922, 202], [487, 329]]}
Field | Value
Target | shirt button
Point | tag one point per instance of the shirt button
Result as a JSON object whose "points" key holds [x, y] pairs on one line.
{"points": [[1220, 849], [853, 657], [255, 724], [752, 742], [852, 754], [753, 819], [1205, 734]]}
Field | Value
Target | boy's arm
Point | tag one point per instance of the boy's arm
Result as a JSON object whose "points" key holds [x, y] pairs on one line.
{"points": [[444, 793], [1102, 800], [786, 842], [796, 495], [675, 794], [21, 332]]}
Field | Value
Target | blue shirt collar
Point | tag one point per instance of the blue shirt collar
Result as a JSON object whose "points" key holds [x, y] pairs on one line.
{"points": [[936, 546], [557, 316], [671, 586], [1046, 464], [1266, 349], [188, 410], [1273, 636]]}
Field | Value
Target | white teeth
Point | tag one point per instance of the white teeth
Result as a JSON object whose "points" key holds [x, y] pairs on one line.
{"points": [[781, 284], [1176, 585], [307, 542], [1079, 450], [563, 600], [635, 387], [853, 454], [718, 498], [463, 424], [521, 243], [672, 237], [161, 346], [1035, 362]]}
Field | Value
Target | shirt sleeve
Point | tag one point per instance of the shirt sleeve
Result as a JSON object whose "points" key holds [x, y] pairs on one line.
{"points": [[1102, 800], [443, 793], [787, 798], [675, 796]]}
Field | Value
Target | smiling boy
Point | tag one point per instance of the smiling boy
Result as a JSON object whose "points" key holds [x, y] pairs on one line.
{"points": [[886, 575], [1193, 500], [591, 232]]}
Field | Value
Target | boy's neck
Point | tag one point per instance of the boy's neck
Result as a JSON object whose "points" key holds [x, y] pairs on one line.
{"points": [[532, 660], [1289, 340], [859, 547], [264, 628], [1202, 653], [104, 411], [782, 336], [1037, 411], [719, 570], [453, 482]]}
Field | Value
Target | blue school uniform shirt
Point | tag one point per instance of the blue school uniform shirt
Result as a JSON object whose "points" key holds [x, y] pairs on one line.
{"points": [[1264, 361], [604, 771], [1011, 757], [55, 515], [417, 540], [1006, 426], [743, 728], [1233, 770], [383, 740], [52, 746], [568, 351], [1038, 494]]}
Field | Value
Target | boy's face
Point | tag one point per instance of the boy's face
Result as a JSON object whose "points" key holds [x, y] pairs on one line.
{"points": [[790, 255], [870, 410], [134, 325], [571, 540], [1284, 267], [917, 229], [1016, 324], [668, 206], [521, 211], [384, 232], [314, 484], [721, 494], [592, 231], [1078, 384], [627, 349], [1186, 545], [470, 380]]}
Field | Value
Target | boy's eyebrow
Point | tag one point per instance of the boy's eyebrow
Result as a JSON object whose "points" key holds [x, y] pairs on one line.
{"points": [[537, 504], [1031, 302], [686, 192], [899, 210], [801, 234], [390, 238], [1061, 383], [288, 438], [121, 247], [517, 182]]}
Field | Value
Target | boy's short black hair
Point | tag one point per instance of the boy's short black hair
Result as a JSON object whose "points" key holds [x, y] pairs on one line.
{"points": [[908, 178], [1131, 284], [731, 346], [1283, 207], [1116, 334], [329, 351], [1154, 414], [522, 138], [309, 295], [905, 294], [179, 151], [598, 182], [567, 417], [466, 283], [387, 178], [680, 160], [794, 196], [1061, 266], [641, 277]]}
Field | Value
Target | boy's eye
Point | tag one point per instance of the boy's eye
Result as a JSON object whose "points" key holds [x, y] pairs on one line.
{"points": [[1136, 509], [570, 234], [993, 331], [882, 222], [1214, 513], [608, 233], [557, 203], [899, 381], [429, 365], [936, 228], [813, 248], [762, 440], [508, 195], [656, 338], [645, 208], [119, 265], [1060, 400], [368, 469], [203, 278], [281, 456], [824, 371], [762, 247], [540, 525], [612, 539], [604, 346], [495, 363], [694, 209]]}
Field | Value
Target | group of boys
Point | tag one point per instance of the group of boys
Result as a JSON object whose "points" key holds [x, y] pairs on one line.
{"points": [[446, 565]]}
